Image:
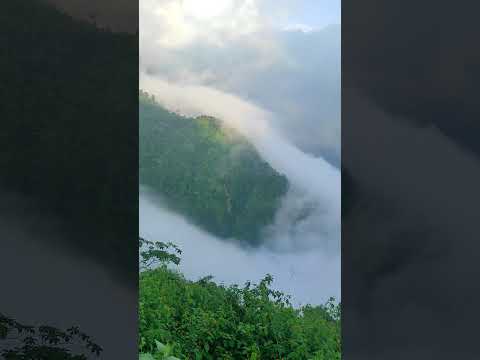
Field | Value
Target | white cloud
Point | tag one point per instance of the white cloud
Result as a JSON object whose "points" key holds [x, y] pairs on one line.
{"points": [[310, 277], [315, 189], [174, 24], [299, 27], [206, 9], [311, 175], [175, 30], [281, 89], [294, 74]]}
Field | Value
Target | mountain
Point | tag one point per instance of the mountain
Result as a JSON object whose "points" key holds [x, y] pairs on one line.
{"points": [[300, 85], [207, 172]]}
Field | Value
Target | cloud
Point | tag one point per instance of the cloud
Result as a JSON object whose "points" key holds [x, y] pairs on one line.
{"points": [[307, 226], [299, 27], [314, 181], [293, 74], [309, 277], [280, 89], [174, 24]]}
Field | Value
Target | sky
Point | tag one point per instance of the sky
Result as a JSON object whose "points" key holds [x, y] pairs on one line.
{"points": [[243, 49], [314, 14], [270, 69]]}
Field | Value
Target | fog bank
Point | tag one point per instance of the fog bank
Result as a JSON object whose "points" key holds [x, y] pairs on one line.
{"points": [[310, 277], [315, 184]]}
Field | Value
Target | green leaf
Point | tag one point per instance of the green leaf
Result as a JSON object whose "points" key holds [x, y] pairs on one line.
{"points": [[146, 356], [160, 347]]}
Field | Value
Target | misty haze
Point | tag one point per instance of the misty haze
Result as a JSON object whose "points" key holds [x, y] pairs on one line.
{"points": [[239, 157]]}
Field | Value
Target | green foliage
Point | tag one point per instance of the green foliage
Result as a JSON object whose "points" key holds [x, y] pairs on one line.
{"points": [[21, 342], [211, 174], [162, 352], [157, 253], [204, 320]]}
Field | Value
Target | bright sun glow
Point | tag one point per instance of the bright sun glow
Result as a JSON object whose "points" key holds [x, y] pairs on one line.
{"points": [[206, 9]]}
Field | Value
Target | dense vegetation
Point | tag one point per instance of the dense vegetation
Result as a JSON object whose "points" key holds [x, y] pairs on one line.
{"points": [[205, 320], [208, 173]]}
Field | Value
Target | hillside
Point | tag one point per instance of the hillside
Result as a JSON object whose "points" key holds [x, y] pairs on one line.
{"points": [[210, 174]]}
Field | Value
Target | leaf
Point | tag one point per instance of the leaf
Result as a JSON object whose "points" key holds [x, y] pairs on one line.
{"points": [[160, 347], [146, 356]]}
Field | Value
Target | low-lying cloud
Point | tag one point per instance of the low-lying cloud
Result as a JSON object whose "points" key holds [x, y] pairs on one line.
{"points": [[310, 277], [315, 184], [304, 240], [245, 63]]}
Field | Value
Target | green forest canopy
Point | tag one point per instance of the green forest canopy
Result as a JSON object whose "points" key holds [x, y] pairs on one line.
{"points": [[209, 173]]}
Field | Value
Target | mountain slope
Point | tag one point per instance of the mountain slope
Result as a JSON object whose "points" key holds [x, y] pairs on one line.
{"points": [[210, 174]]}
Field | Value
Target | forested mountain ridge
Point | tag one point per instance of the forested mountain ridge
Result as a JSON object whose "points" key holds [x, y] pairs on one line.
{"points": [[208, 173]]}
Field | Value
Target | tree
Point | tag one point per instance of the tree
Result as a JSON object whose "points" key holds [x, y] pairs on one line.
{"points": [[157, 253], [21, 342]]}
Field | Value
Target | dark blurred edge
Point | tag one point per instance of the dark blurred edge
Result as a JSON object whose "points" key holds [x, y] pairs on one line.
{"points": [[410, 160], [69, 159]]}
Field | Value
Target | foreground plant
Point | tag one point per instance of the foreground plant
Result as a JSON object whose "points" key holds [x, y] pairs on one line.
{"points": [[204, 320], [163, 352], [21, 342]]}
